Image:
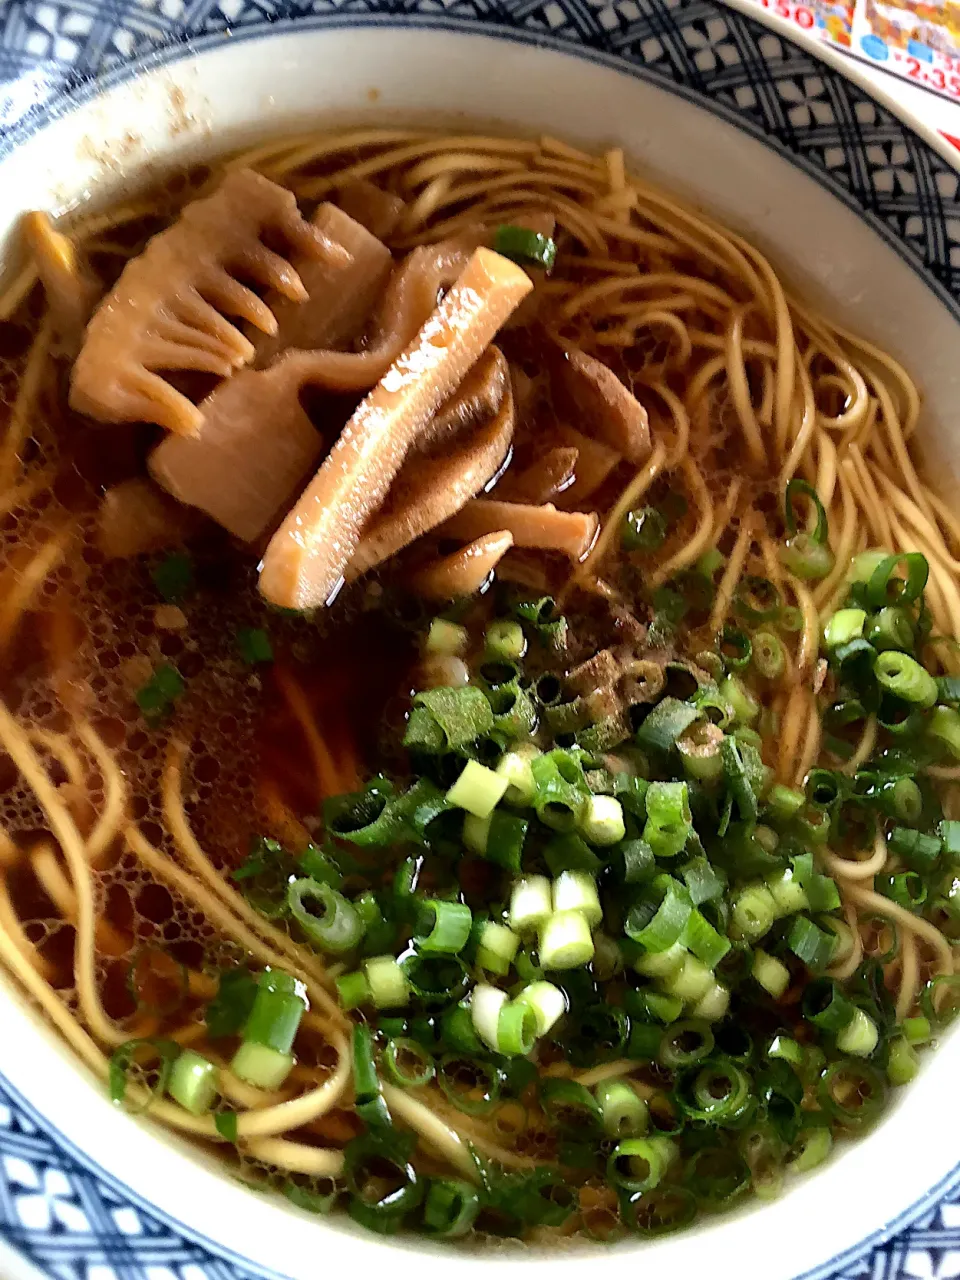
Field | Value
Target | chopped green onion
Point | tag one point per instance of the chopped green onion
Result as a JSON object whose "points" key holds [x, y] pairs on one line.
{"points": [[710, 562], [515, 768], [769, 656], [754, 911], [805, 558], [608, 958], [783, 802], [569, 1106], [669, 822], [446, 638], [948, 689], [601, 821], [700, 937], [654, 1004], [624, 1112], [638, 1164], [917, 1030], [902, 1062], [643, 529], [156, 698], [515, 715], [531, 902], [230, 1008], [516, 1029], [225, 1123], [844, 626], [657, 1212], [338, 929], [353, 990], [277, 1009], [716, 1092], [443, 927], [173, 576], [561, 794], [317, 864], [486, 1002], [387, 982], [253, 645], [787, 1049], [797, 488], [548, 1003], [691, 982], [773, 976], [810, 1148], [736, 647], [380, 1199], [891, 628], [526, 247], [665, 723], [370, 817], [496, 947], [478, 790], [744, 775], [862, 566], [155, 1078], [457, 1031], [702, 881], [811, 945], [918, 851], [820, 891], [791, 618], [905, 888], [261, 1066], [714, 1004], [700, 750], [886, 587], [194, 1082], [500, 673], [940, 997], [904, 677], [658, 924], [788, 893], [505, 639], [568, 852], [407, 1063], [456, 717], [757, 599], [859, 1037], [548, 690], [450, 1208], [903, 799], [577, 891], [744, 705], [949, 832], [854, 663], [852, 1091], [944, 725], [685, 1043], [718, 1176], [565, 941]]}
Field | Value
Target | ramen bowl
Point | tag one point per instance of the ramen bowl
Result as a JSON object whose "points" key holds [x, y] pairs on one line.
{"points": [[784, 143]]}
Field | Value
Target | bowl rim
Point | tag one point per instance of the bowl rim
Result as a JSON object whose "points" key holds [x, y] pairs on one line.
{"points": [[840, 63]]}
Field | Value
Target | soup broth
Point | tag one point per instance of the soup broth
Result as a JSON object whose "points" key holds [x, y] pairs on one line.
{"points": [[540, 821]]}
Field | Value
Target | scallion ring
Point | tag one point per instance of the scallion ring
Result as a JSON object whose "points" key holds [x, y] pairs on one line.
{"points": [[338, 929], [471, 1084], [851, 1091], [407, 1063]]}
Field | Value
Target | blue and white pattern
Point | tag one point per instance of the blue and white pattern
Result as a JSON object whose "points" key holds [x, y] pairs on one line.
{"points": [[60, 1210]]}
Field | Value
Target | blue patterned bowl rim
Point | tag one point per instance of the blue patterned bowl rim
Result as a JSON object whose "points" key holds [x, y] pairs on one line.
{"points": [[59, 1209]]}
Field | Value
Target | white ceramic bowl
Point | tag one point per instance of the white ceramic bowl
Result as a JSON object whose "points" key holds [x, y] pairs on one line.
{"points": [[850, 204]]}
